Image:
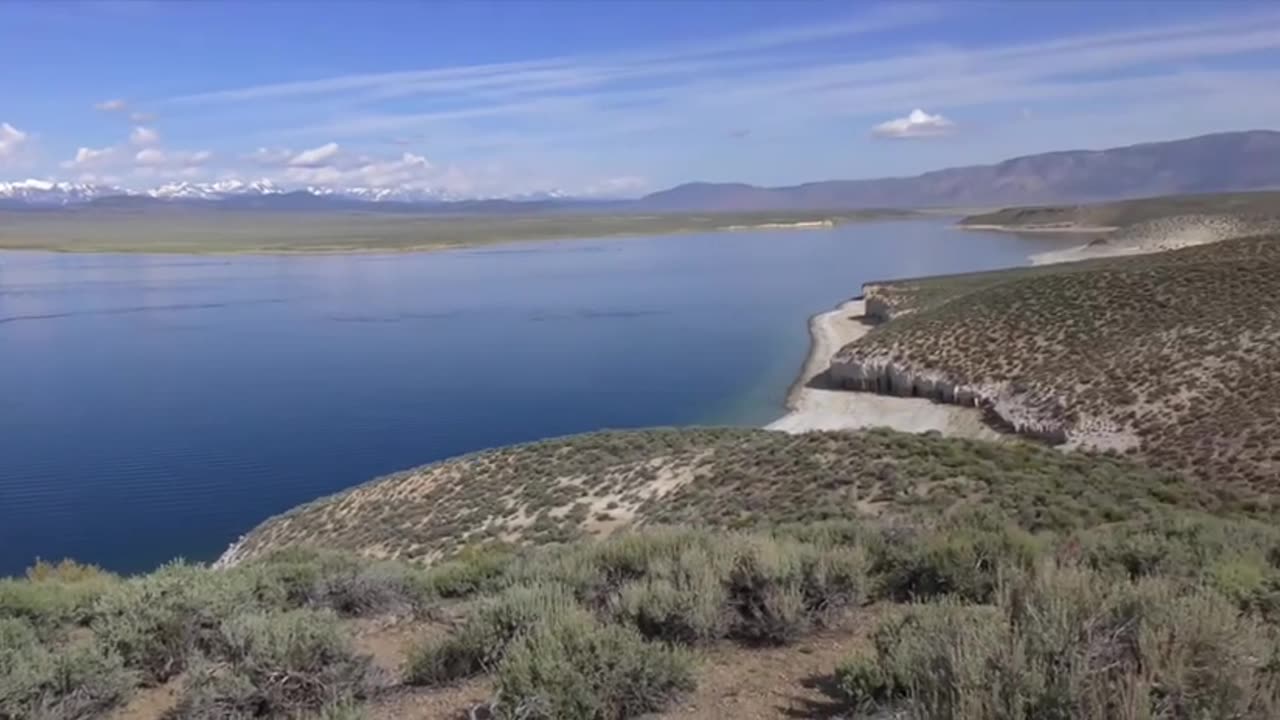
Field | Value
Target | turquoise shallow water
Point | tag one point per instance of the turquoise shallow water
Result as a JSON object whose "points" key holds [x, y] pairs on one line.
{"points": [[160, 406]]}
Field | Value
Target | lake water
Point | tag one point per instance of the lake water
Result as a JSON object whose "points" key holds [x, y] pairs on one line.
{"points": [[159, 406]]}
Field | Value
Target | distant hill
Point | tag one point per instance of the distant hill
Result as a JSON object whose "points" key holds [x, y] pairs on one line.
{"points": [[1125, 213], [1210, 163]]}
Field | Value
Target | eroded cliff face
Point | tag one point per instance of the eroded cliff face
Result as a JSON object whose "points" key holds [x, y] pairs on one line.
{"points": [[1016, 409], [1002, 404], [875, 305]]}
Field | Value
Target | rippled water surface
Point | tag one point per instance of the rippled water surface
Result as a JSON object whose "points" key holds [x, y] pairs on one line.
{"points": [[159, 406]]}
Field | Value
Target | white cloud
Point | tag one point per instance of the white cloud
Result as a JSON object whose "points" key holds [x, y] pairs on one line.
{"points": [[91, 158], [11, 140], [315, 157], [113, 105], [142, 118], [144, 136], [151, 156], [917, 124]]}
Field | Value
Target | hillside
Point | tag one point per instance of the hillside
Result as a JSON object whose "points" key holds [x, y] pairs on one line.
{"points": [[1169, 357], [597, 484], [1068, 578], [1127, 213], [1215, 163]]}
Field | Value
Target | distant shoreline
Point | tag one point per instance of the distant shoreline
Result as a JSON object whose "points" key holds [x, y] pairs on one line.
{"points": [[271, 235], [1047, 229]]}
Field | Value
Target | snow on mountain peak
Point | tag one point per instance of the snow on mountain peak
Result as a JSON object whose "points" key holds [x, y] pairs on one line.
{"points": [[53, 193]]}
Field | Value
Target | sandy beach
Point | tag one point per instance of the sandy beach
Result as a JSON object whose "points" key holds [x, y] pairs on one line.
{"points": [[1064, 229], [816, 408]]}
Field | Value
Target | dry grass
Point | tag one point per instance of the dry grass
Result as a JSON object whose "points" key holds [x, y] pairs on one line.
{"points": [[1172, 356]]}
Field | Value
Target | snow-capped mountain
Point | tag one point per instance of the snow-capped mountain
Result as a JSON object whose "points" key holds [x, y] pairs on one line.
{"points": [[49, 193], [44, 192], [213, 190], [264, 195]]}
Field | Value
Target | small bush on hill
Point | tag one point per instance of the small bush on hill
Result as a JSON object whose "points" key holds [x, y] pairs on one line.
{"points": [[289, 664], [157, 621], [482, 640], [344, 582], [78, 680], [473, 570], [965, 557], [692, 586], [54, 595], [1070, 643], [683, 600], [574, 668]]}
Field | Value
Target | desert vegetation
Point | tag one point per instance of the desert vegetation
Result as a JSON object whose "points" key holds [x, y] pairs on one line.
{"points": [[966, 615], [596, 484], [1168, 357]]}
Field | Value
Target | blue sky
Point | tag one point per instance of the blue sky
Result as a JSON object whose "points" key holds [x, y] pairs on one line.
{"points": [[478, 98]]}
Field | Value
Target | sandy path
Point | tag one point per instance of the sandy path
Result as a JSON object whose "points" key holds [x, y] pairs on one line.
{"points": [[816, 408]]}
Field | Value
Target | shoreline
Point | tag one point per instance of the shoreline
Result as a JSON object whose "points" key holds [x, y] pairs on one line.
{"points": [[377, 247], [1041, 229], [811, 407]]}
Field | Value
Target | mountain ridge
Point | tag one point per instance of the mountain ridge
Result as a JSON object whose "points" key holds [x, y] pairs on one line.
{"points": [[1218, 162]]}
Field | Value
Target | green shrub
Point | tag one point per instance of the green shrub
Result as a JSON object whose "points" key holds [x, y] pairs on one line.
{"points": [[863, 681], [1071, 643], [777, 587], [277, 665], [482, 640], [344, 582], [964, 558], [574, 668], [54, 595], [78, 680], [686, 613], [157, 621], [473, 570], [692, 586], [376, 588]]}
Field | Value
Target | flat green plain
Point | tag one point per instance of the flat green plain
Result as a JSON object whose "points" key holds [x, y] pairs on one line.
{"points": [[209, 232]]}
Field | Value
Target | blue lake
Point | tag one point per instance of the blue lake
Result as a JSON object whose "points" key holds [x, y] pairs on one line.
{"points": [[159, 406]]}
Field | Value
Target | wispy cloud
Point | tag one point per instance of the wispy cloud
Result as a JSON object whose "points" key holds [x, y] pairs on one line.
{"points": [[144, 136], [12, 140], [676, 89], [528, 117], [111, 106], [315, 156]]}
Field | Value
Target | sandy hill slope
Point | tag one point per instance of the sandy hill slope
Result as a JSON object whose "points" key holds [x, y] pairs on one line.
{"points": [[1172, 357], [595, 484]]}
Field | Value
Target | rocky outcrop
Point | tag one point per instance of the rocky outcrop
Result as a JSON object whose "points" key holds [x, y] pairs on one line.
{"points": [[1004, 406]]}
